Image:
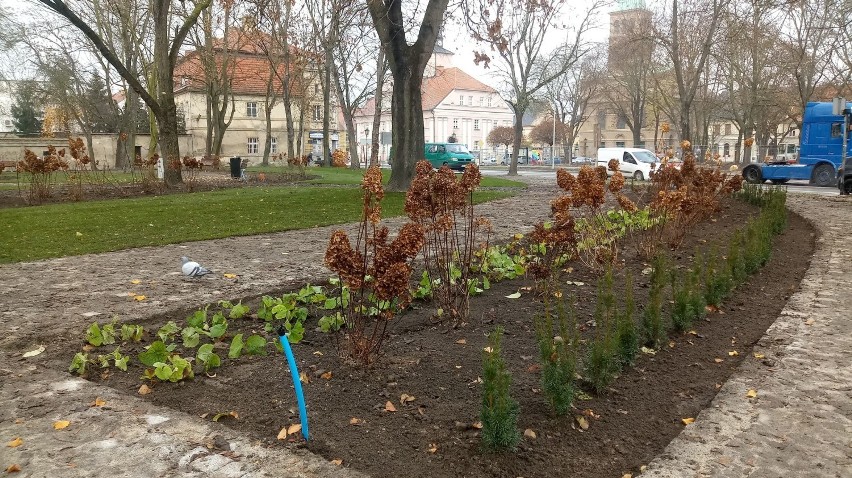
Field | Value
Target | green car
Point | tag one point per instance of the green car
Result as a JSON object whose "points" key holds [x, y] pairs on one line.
{"points": [[453, 155]]}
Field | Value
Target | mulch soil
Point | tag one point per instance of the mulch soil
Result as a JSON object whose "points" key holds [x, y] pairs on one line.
{"points": [[434, 434]]}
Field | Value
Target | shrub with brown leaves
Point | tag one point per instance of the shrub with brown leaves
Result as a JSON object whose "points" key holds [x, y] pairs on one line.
{"points": [[38, 171], [375, 272]]}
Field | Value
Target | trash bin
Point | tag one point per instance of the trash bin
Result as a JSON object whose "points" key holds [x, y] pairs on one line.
{"points": [[235, 167]]}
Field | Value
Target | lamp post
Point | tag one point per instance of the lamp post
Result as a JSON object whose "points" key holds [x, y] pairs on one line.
{"points": [[367, 148], [553, 144]]}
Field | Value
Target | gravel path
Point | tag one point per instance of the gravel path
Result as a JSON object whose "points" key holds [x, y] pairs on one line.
{"points": [[800, 424]]}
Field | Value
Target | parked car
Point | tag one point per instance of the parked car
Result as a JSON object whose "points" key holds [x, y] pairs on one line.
{"points": [[452, 155], [522, 159], [488, 161], [633, 162], [551, 162], [580, 160]]}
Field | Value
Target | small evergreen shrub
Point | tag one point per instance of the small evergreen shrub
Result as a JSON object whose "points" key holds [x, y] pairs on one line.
{"points": [[557, 345], [717, 279], [653, 330], [602, 362], [499, 414], [628, 338], [682, 315]]}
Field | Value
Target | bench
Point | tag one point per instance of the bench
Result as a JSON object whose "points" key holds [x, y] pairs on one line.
{"points": [[10, 165], [210, 162]]}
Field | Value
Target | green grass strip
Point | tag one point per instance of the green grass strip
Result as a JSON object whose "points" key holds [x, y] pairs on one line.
{"points": [[344, 176], [57, 230]]}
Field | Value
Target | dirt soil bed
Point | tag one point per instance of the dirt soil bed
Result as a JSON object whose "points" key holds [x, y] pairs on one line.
{"points": [[434, 434]]}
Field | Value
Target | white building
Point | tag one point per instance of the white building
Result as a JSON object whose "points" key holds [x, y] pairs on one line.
{"points": [[453, 103]]}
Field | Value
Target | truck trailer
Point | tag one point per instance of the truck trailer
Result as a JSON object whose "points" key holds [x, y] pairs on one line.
{"points": [[820, 151]]}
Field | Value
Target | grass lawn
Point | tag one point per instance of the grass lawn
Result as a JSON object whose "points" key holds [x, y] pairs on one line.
{"points": [[353, 176], [41, 232]]}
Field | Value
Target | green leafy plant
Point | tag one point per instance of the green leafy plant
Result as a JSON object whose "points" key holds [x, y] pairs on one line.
{"points": [[156, 352], [174, 369], [557, 346], [168, 332], [206, 356], [131, 332], [78, 363], [286, 308], [331, 323], [237, 311], [424, 287], [499, 413], [255, 345], [236, 348], [120, 361]]}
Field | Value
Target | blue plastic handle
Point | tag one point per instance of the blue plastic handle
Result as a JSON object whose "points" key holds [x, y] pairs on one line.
{"points": [[297, 384]]}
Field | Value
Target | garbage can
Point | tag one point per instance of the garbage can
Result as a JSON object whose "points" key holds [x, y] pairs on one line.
{"points": [[235, 167]]}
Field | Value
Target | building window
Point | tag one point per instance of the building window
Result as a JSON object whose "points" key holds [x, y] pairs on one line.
{"points": [[717, 129], [461, 100], [476, 125], [619, 144], [316, 87], [602, 120], [455, 123], [317, 113], [489, 102], [621, 123], [728, 128], [470, 100], [481, 101], [251, 109], [274, 145], [252, 146], [602, 145]]}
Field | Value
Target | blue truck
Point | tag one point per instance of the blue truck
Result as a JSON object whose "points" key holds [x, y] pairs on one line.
{"points": [[820, 151]]}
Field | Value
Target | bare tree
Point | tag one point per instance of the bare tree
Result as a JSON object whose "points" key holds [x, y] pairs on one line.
{"points": [[519, 34], [166, 49], [691, 30], [571, 93], [407, 63], [631, 67]]}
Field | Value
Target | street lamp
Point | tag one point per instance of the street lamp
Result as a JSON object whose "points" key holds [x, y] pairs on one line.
{"points": [[366, 146]]}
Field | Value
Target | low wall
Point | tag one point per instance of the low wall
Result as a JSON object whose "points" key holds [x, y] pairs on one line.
{"points": [[103, 146]]}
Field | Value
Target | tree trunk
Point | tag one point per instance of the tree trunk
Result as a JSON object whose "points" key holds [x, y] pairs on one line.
{"points": [[407, 111], [377, 112], [326, 109], [519, 108]]}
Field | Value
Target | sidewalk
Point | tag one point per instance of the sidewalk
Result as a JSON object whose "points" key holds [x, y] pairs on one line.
{"points": [[800, 424]]}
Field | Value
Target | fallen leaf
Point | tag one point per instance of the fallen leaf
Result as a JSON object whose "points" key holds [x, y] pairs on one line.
{"points": [[405, 398], [759, 356], [647, 271], [809, 322], [687, 421], [136, 281], [139, 298], [488, 349], [144, 390], [13, 468], [227, 414], [78, 234], [99, 402], [33, 353], [318, 353], [557, 294], [718, 386], [337, 461], [15, 443], [534, 368], [516, 295], [627, 475], [304, 378], [61, 424], [718, 360], [477, 425], [294, 428], [355, 421], [229, 276], [591, 413], [733, 353], [326, 375], [433, 448], [529, 433], [461, 341], [389, 406], [584, 424], [526, 289], [646, 350], [751, 393], [671, 344], [711, 308], [282, 435], [692, 332]]}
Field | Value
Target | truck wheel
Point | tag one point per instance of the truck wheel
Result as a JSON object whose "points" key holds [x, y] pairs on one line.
{"points": [[823, 175], [752, 175], [638, 176], [778, 181]]}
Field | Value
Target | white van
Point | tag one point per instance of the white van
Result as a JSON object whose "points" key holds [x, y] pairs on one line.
{"points": [[632, 162]]}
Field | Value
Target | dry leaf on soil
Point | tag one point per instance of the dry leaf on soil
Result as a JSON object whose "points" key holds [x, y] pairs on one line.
{"points": [[304, 378], [488, 349], [326, 375], [516, 295], [405, 398], [61, 424], [389, 406], [751, 393], [433, 448], [289, 430], [337, 461], [229, 276], [687, 421], [144, 390], [461, 341], [15, 443], [139, 298], [809, 322], [355, 421], [733, 353], [477, 425], [99, 402], [33, 353], [718, 360], [135, 281], [759, 356], [584, 424], [529, 433], [13, 468]]}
